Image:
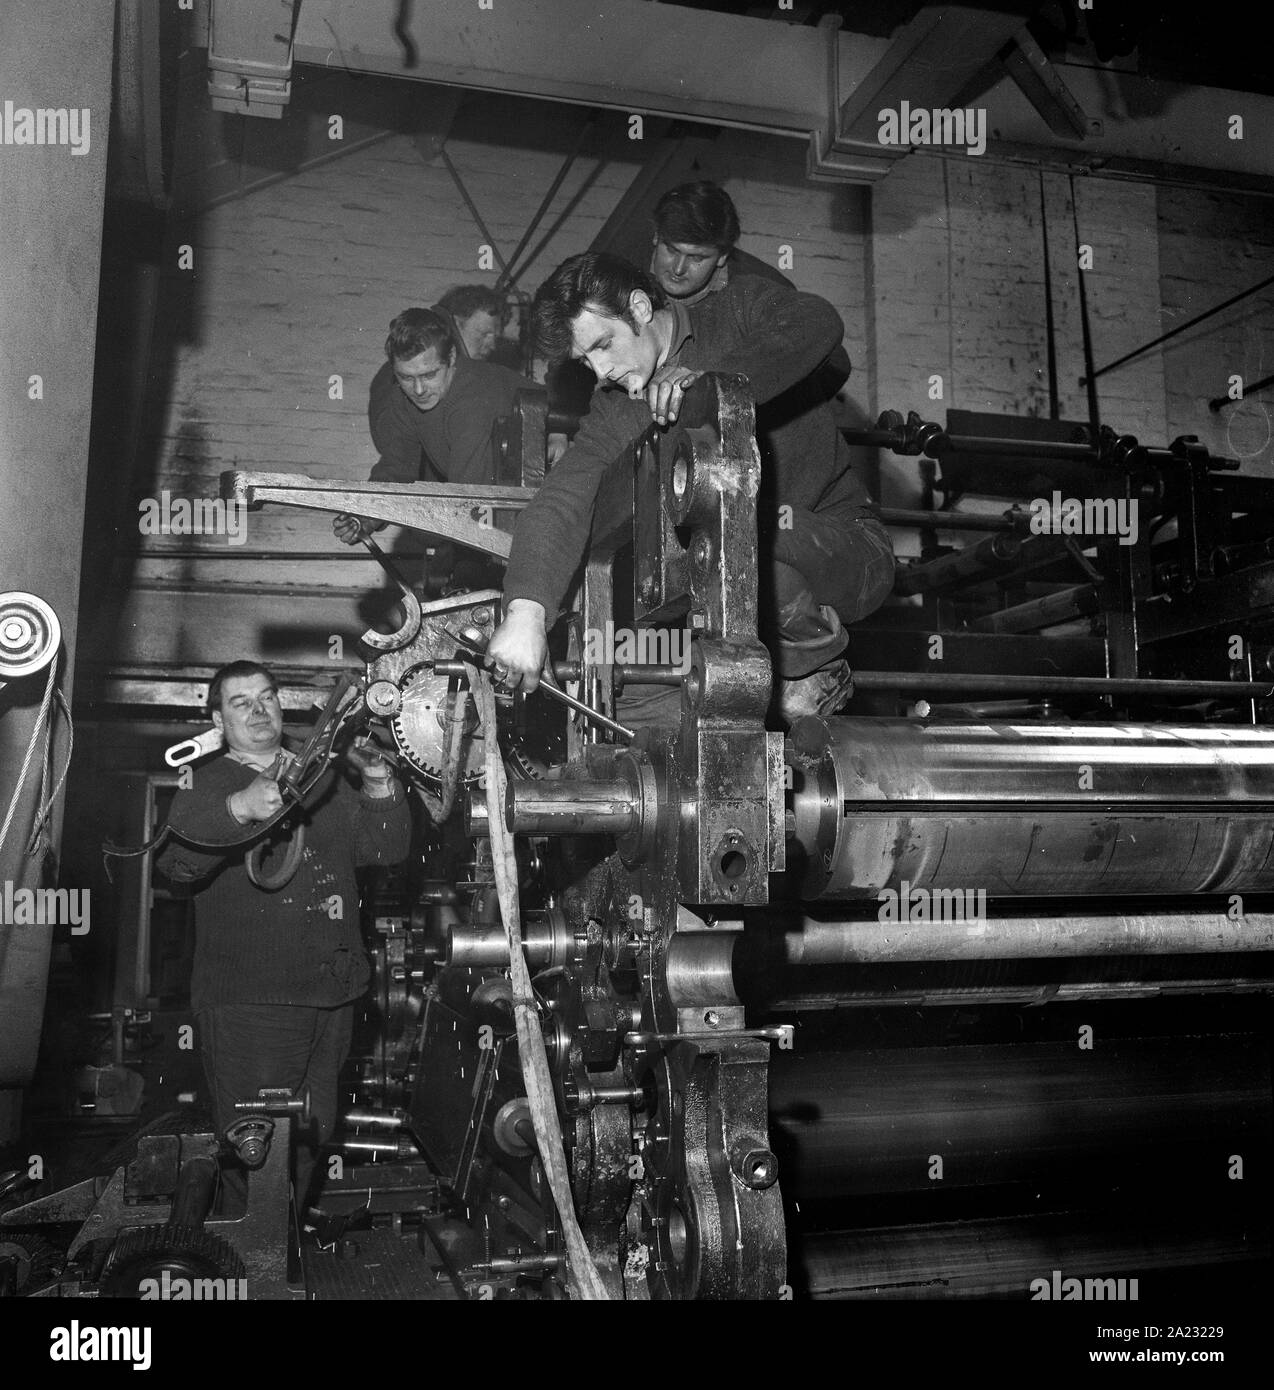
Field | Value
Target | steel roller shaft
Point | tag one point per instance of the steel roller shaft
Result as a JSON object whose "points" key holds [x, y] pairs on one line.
{"points": [[1031, 809]]}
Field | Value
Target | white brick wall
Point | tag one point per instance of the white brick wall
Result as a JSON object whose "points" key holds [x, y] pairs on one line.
{"points": [[1213, 246], [937, 270]]}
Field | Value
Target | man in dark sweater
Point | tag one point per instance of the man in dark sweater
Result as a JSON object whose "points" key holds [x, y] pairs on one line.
{"points": [[431, 411], [695, 254], [828, 558], [276, 973]]}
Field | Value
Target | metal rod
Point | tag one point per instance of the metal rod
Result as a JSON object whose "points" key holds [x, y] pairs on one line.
{"points": [[374, 1119], [944, 521], [244, 190], [572, 671], [1016, 937], [1219, 403], [1059, 685], [1050, 328], [1181, 328], [604, 721], [942, 444], [388, 566], [1085, 323], [479, 656], [473, 209], [509, 276], [1063, 992]]}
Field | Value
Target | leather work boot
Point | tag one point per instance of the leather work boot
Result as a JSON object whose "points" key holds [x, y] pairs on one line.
{"points": [[822, 692]]}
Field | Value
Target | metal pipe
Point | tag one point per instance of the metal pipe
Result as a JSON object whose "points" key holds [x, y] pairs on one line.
{"points": [[1079, 602], [1059, 685], [991, 556], [1020, 937]]}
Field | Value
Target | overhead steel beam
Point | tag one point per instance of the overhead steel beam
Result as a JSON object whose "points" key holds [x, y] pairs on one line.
{"points": [[927, 62], [621, 54], [1041, 84], [250, 56], [819, 83]]}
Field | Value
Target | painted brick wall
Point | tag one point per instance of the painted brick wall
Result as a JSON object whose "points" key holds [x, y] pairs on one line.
{"points": [[1213, 246], [824, 224], [937, 270], [957, 265]]}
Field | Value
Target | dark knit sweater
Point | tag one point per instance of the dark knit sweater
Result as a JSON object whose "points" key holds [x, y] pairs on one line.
{"points": [[455, 435], [286, 947], [776, 337]]}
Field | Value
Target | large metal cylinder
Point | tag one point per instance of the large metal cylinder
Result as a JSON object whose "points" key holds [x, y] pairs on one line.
{"points": [[1031, 809], [872, 1121]]}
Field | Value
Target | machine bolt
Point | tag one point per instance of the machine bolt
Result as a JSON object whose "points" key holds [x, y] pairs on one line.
{"points": [[758, 1169], [481, 615]]}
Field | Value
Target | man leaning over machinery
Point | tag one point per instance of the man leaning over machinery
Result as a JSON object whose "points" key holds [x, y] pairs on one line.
{"points": [[830, 560]]}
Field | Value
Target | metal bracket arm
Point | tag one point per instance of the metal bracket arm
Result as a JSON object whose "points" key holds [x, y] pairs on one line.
{"points": [[461, 512]]}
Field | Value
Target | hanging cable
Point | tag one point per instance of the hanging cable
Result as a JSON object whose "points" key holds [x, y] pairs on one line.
{"points": [[30, 753], [39, 831], [585, 1280], [1094, 414], [1050, 328]]}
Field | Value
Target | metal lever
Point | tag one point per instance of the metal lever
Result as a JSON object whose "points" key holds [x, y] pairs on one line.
{"points": [[392, 641], [479, 653]]}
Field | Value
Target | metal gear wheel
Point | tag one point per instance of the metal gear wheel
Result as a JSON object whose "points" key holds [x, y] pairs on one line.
{"points": [[183, 1252]]}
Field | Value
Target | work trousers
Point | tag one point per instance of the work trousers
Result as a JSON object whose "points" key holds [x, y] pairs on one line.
{"points": [[248, 1046], [825, 569]]}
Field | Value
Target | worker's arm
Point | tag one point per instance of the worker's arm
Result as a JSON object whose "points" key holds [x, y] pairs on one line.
{"points": [[216, 810], [552, 533]]}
